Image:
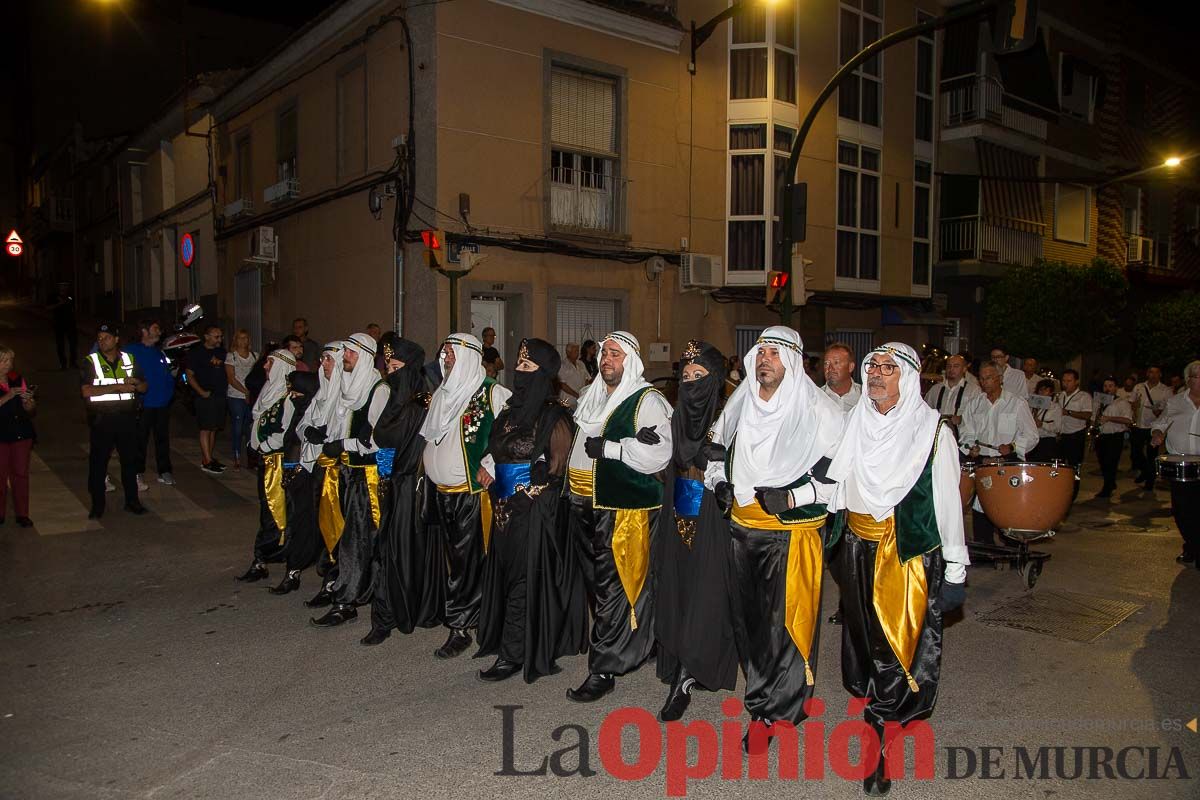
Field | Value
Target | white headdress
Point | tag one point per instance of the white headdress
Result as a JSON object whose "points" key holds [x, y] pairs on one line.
{"points": [[320, 411], [356, 386], [457, 388], [276, 387], [596, 404]]}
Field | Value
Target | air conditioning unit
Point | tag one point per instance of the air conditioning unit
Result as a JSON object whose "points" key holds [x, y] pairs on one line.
{"points": [[699, 271], [241, 207], [1139, 250], [286, 189], [264, 245]]}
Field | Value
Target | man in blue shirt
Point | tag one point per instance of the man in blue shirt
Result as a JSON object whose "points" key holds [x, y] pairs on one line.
{"points": [[155, 415]]}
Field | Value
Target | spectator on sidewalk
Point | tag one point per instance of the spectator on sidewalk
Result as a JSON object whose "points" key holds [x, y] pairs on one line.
{"points": [[493, 364], [17, 436], [238, 363], [295, 345], [109, 381], [310, 351], [66, 334], [206, 376], [374, 331], [572, 377], [155, 417]]}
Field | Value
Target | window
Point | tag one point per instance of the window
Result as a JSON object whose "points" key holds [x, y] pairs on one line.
{"points": [[285, 144], [243, 183], [922, 221], [1071, 205], [762, 44], [584, 160], [785, 52], [747, 197], [135, 193], [925, 70], [580, 319], [858, 210], [1131, 208], [860, 97], [1078, 84], [352, 120]]}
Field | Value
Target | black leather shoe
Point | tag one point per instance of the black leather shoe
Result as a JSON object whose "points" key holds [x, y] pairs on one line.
{"points": [[499, 671], [322, 598], [257, 572], [591, 690], [376, 636], [96, 513], [458, 641], [24, 522], [1185, 558], [290, 583], [135, 508], [337, 615], [755, 723], [835, 618], [878, 784], [678, 698]]}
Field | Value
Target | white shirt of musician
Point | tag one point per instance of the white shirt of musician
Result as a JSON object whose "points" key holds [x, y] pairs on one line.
{"points": [[1151, 398], [947, 393], [848, 400], [1119, 407], [1078, 400], [989, 425], [1048, 420], [444, 462], [1014, 383], [1181, 422]]}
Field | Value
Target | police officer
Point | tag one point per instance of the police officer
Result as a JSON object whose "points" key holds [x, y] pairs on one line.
{"points": [[109, 381]]}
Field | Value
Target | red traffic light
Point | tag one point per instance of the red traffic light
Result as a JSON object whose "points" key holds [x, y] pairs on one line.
{"points": [[431, 240], [779, 280]]}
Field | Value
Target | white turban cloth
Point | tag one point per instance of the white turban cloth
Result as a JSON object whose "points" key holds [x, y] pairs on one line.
{"points": [[597, 404], [284, 365], [321, 410], [457, 388]]}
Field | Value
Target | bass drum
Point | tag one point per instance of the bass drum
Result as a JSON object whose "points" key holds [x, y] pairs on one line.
{"points": [[1026, 500]]}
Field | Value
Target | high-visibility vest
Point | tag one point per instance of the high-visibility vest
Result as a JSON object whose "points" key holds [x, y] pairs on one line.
{"points": [[105, 375]]}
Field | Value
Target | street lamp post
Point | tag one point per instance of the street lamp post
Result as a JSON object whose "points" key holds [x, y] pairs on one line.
{"points": [[700, 35]]}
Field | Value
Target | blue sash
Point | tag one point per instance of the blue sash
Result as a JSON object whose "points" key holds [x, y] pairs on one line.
{"points": [[383, 460], [289, 465], [688, 494], [508, 477]]}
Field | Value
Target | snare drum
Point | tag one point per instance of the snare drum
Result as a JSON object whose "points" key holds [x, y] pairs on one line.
{"points": [[1024, 497], [1182, 469]]}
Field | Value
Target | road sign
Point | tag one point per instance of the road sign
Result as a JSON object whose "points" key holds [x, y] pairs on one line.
{"points": [[13, 244], [187, 250]]}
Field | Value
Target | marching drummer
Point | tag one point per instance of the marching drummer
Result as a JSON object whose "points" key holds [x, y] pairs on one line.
{"points": [[995, 424], [950, 396], [1179, 427]]}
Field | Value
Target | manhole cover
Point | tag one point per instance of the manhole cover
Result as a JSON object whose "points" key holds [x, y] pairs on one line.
{"points": [[1069, 616]]}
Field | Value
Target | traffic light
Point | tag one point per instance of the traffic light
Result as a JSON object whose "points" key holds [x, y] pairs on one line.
{"points": [[435, 248], [800, 291], [777, 281]]}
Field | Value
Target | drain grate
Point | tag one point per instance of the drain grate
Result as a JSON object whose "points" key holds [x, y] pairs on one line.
{"points": [[1069, 616]]}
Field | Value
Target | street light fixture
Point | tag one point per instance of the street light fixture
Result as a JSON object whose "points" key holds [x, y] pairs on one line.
{"points": [[1172, 162], [700, 35]]}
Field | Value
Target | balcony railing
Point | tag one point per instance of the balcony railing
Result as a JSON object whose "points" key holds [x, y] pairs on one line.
{"points": [[995, 239], [583, 210], [983, 101]]}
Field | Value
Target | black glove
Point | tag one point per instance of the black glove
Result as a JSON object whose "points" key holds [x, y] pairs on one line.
{"points": [[594, 447], [953, 595], [364, 438], [648, 436], [333, 449], [724, 495], [773, 501], [539, 473], [314, 434], [712, 452]]}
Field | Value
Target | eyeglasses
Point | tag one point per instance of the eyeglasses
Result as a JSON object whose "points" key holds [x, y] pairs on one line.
{"points": [[886, 370]]}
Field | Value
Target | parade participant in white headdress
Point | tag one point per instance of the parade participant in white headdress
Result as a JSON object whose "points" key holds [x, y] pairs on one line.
{"points": [[623, 442], [270, 419], [778, 430], [456, 431], [349, 440], [902, 558], [325, 481]]}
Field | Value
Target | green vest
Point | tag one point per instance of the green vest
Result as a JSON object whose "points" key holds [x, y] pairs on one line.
{"points": [[616, 485], [474, 430], [797, 515], [270, 422], [916, 519]]}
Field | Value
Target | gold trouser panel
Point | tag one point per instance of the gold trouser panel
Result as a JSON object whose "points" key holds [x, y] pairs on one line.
{"points": [[901, 595], [485, 509], [804, 568], [579, 481], [272, 479], [329, 514], [631, 553]]}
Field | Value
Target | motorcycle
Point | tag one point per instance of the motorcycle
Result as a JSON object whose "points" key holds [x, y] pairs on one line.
{"points": [[175, 347]]}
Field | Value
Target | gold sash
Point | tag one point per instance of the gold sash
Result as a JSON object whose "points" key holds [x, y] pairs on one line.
{"points": [[631, 552], [802, 593], [272, 479], [329, 513], [485, 509], [579, 481], [901, 595]]}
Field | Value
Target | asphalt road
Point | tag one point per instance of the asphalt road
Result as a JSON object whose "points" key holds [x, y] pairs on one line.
{"points": [[134, 666]]}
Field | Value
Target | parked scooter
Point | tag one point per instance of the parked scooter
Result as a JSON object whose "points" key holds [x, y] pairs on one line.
{"points": [[176, 345]]}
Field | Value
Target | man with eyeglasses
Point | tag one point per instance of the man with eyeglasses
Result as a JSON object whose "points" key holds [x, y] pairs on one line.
{"points": [[995, 424], [902, 559], [1013, 380]]}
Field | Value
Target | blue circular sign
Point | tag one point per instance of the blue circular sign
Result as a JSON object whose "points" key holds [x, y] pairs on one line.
{"points": [[187, 250]]}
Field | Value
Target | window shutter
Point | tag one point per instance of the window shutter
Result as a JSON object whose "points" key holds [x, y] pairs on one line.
{"points": [[583, 112]]}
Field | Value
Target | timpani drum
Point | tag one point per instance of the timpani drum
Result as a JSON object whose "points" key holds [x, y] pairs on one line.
{"points": [[1026, 500], [966, 483], [1177, 468]]}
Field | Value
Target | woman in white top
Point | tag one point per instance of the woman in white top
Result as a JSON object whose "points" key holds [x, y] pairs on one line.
{"points": [[1049, 424], [238, 362]]}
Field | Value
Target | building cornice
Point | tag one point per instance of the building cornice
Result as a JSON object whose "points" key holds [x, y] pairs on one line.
{"points": [[603, 20]]}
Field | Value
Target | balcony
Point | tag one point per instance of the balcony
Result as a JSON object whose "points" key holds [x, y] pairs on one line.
{"points": [[586, 198], [992, 239], [982, 101]]}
